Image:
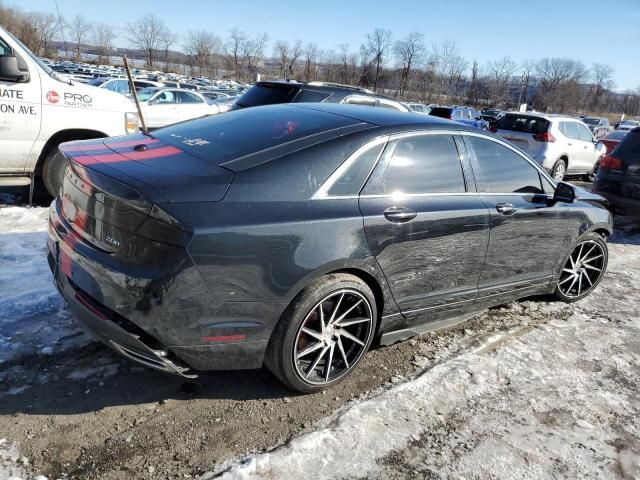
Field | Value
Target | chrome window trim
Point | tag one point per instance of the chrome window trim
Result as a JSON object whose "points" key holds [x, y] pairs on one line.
{"points": [[323, 191]]}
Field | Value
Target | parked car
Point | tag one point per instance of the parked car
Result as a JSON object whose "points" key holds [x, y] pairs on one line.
{"points": [[165, 106], [491, 115], [285, 91], [419, 108], [121, 85], [291, 235], [628, 125], [40, 111], [561, 145], [618, 179], [465, 115], [599, 126], [612, 140]]}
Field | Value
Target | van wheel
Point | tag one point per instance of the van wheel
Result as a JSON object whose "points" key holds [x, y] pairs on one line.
{"points": [[323, 334], [559, 170], [53, 171]]}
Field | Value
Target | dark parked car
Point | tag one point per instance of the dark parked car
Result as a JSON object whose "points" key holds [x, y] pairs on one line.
{"points": [[285, 91], [598, 126], [491, 115], [618, 178], [293, 235], [465, 115]]}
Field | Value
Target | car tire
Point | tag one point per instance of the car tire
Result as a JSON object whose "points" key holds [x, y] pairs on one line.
{"points": [[583, 269], [559, 170], [53, 171], [591, 176], [302, 329]]}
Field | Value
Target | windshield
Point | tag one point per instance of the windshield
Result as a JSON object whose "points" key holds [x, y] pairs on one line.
{"points": [[146, 93], [591, 121], [523, 123]]}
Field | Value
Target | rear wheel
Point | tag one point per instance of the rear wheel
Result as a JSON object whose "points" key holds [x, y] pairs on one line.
{"points": [[323, 334], [583, 268], [53, 171], [559, 170]]}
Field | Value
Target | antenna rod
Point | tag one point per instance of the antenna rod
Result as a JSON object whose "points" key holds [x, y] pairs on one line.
{"points": [[132, 87]]}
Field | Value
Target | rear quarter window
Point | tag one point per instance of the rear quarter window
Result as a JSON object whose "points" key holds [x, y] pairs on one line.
{"points": [[523, 123]]}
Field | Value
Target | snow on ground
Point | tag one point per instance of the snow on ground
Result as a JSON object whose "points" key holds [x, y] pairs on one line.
{"points": [[33, 317], [559, 399]]}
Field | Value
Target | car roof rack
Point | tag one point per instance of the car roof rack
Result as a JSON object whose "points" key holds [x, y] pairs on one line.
{"points": [[339, 85]]}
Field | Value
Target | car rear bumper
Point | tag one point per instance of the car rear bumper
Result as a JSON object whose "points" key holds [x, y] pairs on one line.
{"points": [[167, 323], [621, 205]]}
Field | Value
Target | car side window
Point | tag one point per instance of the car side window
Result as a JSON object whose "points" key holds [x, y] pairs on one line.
{"points": [[501, 169], [4, 48], [166, 97], [570, 130], [187, 97], [350, 182], [420, 164], [584, 133]]}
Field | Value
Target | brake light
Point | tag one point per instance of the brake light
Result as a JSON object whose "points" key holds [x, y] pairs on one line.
{"points": [[610, 162], [544, 137], [493, 128]]}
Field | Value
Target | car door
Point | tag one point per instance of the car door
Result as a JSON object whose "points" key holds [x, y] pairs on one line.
{"points": [[20, 115], [573, 145], [190, 106], [426, 228], [161, 110], [528, 230], [588, 152]]}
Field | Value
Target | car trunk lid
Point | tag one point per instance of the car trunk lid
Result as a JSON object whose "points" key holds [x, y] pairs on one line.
{"points": [[524, 131]]}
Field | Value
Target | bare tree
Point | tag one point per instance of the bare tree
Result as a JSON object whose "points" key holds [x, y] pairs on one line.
{"points": [[374, 52], [167, 40], [500, 72], [253, 51], [103, 36], [235, 50], [310, 63], [558, 82], [409, 51], [146, 34], [80, 29], [602, 80], [47, 27], [449, 67], [200, 45], [475, 84]]}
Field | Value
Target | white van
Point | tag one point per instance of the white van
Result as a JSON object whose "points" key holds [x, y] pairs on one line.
{"points": [[40, 110]]}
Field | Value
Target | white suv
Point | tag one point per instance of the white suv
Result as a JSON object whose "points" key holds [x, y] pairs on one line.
{"points": [[560, 144]]}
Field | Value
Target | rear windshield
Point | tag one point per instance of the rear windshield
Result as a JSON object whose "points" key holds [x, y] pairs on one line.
{"points": [[267, 95], [617, 135], [231, 135], [523, 123], [629, 149], [442, 112]]}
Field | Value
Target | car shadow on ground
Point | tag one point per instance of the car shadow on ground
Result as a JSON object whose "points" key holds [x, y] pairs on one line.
{"points": [[92, 377]]}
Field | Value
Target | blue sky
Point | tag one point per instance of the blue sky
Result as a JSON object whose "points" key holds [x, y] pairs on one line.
{"points": [[587, 30]]}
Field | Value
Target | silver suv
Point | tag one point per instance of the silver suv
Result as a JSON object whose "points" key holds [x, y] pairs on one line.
{"points": [[562, 145]]}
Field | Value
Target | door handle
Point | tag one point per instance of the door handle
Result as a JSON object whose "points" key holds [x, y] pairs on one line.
{"points": [[569, 143], [506, 209], [399, 214]]}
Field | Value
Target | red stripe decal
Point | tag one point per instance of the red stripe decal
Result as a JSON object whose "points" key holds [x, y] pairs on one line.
{"points": [[117, 158], [111, 145], [224, 338]]}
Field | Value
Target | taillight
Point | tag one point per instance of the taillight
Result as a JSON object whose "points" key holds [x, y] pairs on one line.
{"points": [[544, 137], [610, 162], [493, 128]]}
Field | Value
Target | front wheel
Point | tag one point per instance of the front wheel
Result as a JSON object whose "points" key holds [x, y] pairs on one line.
{"points": [[53, 171], [583, 269], [323, 334]]}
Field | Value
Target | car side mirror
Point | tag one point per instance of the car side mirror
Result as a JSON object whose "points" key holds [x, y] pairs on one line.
{"points": [[564, 193], [10, 71]]}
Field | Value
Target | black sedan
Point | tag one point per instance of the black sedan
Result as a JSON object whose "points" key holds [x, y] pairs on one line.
{"points": [[619, 176], [295, 235]]}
